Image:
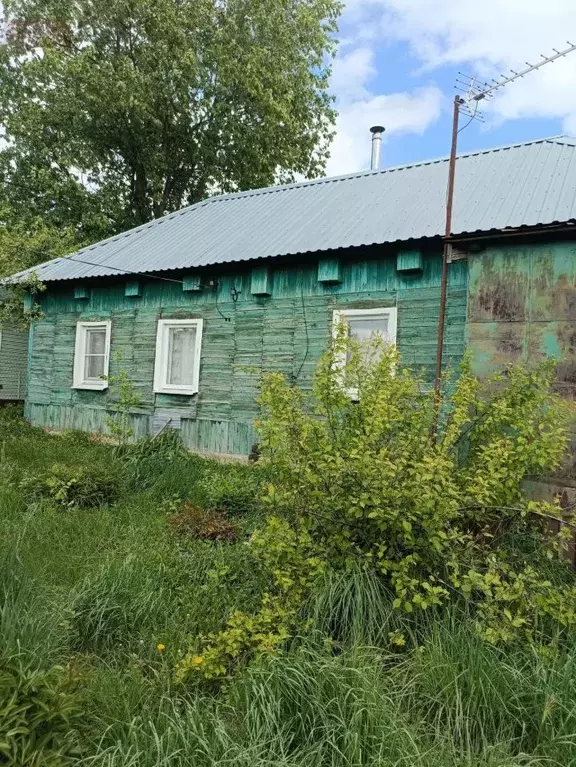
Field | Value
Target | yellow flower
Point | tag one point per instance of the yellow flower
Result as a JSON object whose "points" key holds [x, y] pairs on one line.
{"points": [[197, 660], [160, 647]]}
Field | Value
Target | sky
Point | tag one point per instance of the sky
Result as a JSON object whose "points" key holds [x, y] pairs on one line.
{"points": [[398, 62]]}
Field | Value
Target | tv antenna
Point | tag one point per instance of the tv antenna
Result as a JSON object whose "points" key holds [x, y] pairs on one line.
{"points": [[473, 92]]}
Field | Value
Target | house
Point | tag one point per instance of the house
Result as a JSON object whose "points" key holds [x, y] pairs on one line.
{"points": [[194, 305], [13, 363]]}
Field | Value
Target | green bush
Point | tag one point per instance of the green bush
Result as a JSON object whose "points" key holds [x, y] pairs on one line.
{"points": [[426, 494], [73, 486], [38, 712], [234, 488]]}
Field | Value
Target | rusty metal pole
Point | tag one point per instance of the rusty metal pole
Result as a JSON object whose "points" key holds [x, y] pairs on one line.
{"points": [[445, 258]]}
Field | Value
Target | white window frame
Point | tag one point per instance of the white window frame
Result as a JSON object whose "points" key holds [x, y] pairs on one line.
{"points": [[161, 362], [78, 380], [342, 315]]}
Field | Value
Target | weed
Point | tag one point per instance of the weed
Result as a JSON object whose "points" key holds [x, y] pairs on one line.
{"points": [[73, 487], [234, 488], [38, 712]]}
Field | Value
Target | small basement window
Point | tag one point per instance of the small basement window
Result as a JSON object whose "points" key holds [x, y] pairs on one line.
{"points": [[91, 355], [363, 324], [177, 366]]}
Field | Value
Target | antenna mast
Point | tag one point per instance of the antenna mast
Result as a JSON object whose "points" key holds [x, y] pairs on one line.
{"points": [[474, 93]]}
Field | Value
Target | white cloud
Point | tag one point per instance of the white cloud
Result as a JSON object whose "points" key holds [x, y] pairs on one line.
{"points": [[351, 72], [487, 38], [359, 108], [483, 37], [398, 112]]}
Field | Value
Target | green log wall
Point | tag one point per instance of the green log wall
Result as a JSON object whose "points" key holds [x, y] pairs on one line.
{"points": [[285, 331]]}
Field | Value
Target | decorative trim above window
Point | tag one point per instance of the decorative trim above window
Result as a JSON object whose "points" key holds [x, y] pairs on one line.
{"points": [[92, 355], [362, 323], [178, 350]]}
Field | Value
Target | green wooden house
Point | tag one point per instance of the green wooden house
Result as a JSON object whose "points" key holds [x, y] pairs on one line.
{"points": [[194, 305], [13, 363]]}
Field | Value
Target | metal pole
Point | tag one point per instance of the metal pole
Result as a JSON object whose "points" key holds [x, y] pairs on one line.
{"points": [[446, 256]]}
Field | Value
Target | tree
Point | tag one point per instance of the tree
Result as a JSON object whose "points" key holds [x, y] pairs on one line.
{"points": [[119, 111]]}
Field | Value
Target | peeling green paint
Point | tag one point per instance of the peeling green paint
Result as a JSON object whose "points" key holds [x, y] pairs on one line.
{"points": [[287, 331], [522, 308]]}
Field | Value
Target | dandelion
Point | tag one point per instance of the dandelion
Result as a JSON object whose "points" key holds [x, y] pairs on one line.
{"points": [[197, 660], [160, 647]]}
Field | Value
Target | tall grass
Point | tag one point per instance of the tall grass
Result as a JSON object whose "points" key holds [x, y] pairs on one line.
{"points": [[101, 590], [306, 709]]}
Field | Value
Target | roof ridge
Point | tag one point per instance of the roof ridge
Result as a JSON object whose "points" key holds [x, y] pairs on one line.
{"points": [[361, 173]]}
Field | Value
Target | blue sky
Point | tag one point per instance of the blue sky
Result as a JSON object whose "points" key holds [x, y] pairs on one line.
{"points": [[398, 61]]}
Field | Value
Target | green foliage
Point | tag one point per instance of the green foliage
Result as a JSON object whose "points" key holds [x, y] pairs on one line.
{"points": [[234, 488], [122, 599], [17, 304], [147, 461], [454, 702], [38, 710], [287, 554], [27, 239], [102, 597], [119, 424], [367, 481], [139, 109], [73, 487]]}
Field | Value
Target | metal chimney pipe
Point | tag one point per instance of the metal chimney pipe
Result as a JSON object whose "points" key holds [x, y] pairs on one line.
{"points": [[376, 131]]}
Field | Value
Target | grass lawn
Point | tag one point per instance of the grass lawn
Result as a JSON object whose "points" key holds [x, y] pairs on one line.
{"points": [[108, 597]]}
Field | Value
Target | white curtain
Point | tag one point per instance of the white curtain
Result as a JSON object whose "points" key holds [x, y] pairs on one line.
{"points": [[181, 343], [95, 355]]}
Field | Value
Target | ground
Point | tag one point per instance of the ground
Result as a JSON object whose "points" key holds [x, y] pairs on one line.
{"points": [[111, 568]]}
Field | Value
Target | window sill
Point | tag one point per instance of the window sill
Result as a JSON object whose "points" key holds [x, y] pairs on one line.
{"points": [[91, 386], [183, 391]]}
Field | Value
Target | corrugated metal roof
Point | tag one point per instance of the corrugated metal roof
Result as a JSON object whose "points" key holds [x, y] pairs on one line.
{"points": [[527, 184]]}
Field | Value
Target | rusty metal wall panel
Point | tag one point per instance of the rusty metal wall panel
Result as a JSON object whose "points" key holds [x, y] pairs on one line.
{"points": [[522, 308]]}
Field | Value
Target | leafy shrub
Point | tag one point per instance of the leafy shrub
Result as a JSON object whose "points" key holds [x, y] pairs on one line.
{"points": [[12, 423], [433, 505], [38, 711], [73, 487], [210, 525], [235, 488], [126, 398]]}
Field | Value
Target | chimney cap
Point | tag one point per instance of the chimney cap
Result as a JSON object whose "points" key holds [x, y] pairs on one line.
{"points": [[377, 129]]}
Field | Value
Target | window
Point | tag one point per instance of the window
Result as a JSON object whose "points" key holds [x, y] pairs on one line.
{"points": [[363, 324], [177, 366], [91, 355]]}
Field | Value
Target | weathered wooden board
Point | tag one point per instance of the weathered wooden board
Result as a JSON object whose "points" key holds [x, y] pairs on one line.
{"points": [[286, 331]]}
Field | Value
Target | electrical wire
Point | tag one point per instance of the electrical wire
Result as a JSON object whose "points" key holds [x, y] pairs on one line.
{"points": [[471, 118], [123, 271], [224, 317], [307, 338]]}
